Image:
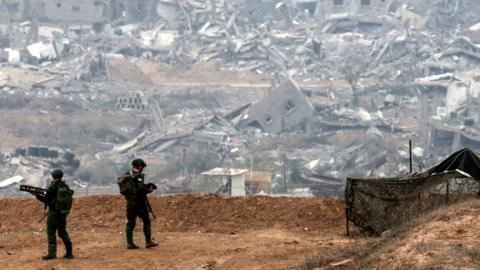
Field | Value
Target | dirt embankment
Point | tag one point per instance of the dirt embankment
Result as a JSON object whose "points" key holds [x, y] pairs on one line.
{"points": [[445, 239], [187, 213]]}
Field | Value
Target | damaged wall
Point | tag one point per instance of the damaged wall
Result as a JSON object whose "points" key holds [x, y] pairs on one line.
{"points": [[130, 10], [352, 7], [74, 11]]}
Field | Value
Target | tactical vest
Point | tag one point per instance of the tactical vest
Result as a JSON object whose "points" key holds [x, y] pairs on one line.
{"points": [[128, 184]]}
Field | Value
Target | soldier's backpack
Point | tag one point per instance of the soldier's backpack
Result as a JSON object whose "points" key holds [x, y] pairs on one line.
{"points": [[63, 202], [128, 186]]}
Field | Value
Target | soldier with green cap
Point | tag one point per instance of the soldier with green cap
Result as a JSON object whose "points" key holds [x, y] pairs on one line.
{"points": [[134, 189], [58, 199]]}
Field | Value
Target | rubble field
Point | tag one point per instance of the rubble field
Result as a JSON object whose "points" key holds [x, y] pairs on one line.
{"points": [[194, 232]]}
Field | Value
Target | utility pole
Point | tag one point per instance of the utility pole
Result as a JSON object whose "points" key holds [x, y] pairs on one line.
{"points": [[184, 161], [410, 153], [285, 189]]}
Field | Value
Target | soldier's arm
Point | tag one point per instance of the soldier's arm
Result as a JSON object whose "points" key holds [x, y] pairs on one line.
{"points": [[49, 196], [143, 189]]}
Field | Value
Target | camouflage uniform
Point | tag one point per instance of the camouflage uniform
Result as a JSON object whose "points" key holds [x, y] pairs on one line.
{"points": [[55, 221], [137, 207]]}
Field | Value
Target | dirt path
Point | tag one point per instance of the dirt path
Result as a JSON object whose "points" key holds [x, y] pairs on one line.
{"points": [[105, 249]]}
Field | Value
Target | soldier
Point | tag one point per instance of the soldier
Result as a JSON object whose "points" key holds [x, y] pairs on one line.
{"points": [[59, 201], [134, 189]]}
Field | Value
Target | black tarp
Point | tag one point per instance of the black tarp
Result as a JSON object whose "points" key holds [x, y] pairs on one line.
{"points": [[464, 160]]}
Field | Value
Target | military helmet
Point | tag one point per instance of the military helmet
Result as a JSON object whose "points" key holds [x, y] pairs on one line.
{"points": [[139, 162], [57, 174]]}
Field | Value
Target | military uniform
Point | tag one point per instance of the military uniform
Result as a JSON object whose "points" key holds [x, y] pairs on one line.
{"points": [[55, 222], [137, 207]]}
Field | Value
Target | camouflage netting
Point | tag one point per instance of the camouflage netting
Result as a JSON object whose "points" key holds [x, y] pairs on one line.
{"points": [[377, 205]]}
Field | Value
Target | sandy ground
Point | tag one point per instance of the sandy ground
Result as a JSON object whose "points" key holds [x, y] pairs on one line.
{"points": [[194, 232], [103, 248]]}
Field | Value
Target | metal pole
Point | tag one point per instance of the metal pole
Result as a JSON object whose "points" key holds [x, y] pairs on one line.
{"points": [[410, 151], [448, 191], [285, 172], [184, 161], [348, 229]]}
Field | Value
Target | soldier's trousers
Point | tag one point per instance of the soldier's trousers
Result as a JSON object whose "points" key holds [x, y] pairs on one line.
{"points": [[135, 210], [57, 222]]}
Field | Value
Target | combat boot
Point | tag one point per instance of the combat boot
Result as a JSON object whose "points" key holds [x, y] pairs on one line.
{"points": [[49, 257], [69, 255], [132, 246], [151, 244], [69, 250]]}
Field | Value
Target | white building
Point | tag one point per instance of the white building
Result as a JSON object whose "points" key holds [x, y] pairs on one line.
{"points": [[235, 179]]}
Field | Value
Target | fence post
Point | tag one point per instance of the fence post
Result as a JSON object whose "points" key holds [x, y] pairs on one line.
{"points": [[419, 198], [448, 191], [348, 229]]}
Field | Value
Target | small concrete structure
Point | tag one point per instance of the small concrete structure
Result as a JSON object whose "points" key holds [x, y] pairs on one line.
{"points": [[235, 179]]}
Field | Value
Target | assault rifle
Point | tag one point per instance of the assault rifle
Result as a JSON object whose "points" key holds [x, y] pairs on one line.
{"points": [[36, 191], [149, 207], [33, 190]]}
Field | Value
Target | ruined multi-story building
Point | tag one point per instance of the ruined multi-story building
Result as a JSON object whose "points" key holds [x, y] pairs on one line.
{"points": [[326, 8], [75, 11]]}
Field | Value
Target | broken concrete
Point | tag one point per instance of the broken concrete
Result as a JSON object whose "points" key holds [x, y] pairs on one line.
{"points": [[284, 108]]}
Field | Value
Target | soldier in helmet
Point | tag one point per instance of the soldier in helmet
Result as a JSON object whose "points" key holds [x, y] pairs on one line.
{"points": [[134, 189], [58, 199]]}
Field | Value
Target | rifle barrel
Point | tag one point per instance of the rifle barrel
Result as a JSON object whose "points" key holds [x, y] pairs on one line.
{"points": [[32, 189]]}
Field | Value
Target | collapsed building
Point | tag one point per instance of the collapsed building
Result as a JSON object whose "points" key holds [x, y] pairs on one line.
{"points": [[284, 108]]}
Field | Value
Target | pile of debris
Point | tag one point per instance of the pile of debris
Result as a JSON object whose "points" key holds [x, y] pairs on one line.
{"points": [[32, 166]]}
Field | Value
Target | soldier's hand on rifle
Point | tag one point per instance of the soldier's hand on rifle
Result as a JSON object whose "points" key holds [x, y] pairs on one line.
{"points": [[151, 187]]}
